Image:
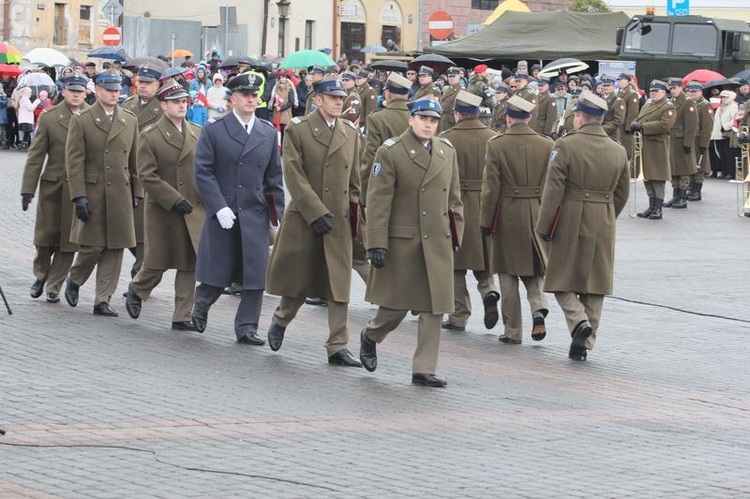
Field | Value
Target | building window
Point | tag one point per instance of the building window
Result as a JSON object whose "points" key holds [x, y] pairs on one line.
{"points": [[84, 26], [60, 36], [309, 34], [484, 4]]}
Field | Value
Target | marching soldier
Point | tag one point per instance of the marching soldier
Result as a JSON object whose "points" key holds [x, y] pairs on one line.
{"points": [[100, 165], [586, 189], [321, 170], [511, 195], [654, 121], [630, 97], [385, 123], [316, 73], [502, 91], [682, 153], [448, 98], [238, 175], [174, 212], [414, 223], [146, 108], [469, 138], [615, 116], [352, 103], [54, 213], [546, 110], [427, 89], [367, 96], [702, 138]]}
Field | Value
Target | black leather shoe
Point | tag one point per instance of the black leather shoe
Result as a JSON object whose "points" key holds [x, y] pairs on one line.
{"points": [[368, 352], [71, 293], [490, 309], [540, 329], [428, 380], [184, 326], [275, 335], [344, 358], [577, 353], [252, 338], [451, 327], [132, 303], [506, 339], [199, 317], [36, 289], [104, 309], [53, 298], [580, 333]]}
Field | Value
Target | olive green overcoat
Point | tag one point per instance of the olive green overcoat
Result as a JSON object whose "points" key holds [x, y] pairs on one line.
{"points": [[657, 120]]}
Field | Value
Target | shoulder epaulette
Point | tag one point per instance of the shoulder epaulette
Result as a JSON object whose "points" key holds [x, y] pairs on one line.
{"points": [[149, 127], [443, 139], [496, 136], [131, 113], [266, 122], [195, 125], [129, 99], [391, 142], [350, 124], [296, 120]]}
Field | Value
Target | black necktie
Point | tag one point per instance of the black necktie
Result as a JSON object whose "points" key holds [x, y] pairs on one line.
{"points": [[245, 127]]}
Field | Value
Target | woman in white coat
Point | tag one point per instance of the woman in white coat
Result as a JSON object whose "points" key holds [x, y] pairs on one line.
{"points": [[722, 155]]}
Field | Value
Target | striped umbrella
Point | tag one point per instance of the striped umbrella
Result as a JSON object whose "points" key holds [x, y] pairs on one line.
{"points": [[9, 54]]}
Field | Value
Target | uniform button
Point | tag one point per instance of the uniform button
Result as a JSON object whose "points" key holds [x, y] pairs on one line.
{"points": [[444, 189], [587, 194], [107, 151], [345, 192], [606, 196], [240, 186], [536, 191], [448, 234], [181, 182], [109, 183], [326, 189], [239, 209], [346, 167], [422, 189], [108, 168], [424, 213], [179, 164], [425, 236], [240, 164], [327, 165], [516, 191]]}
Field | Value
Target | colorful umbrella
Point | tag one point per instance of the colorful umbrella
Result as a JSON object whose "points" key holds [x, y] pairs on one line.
{"points": [[9, 54], [180, 53], [702, 76], [306, 58], [10, 69]]}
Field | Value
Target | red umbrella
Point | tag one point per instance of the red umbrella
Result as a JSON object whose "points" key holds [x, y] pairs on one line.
{"points": [[702, 76], [10, 69]]}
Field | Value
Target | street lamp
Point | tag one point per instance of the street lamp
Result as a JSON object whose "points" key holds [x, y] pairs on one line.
{"points": [[283, 7]]}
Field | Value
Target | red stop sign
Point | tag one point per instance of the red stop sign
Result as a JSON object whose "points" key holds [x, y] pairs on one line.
{"points": [[440, 25], [111, 36]]}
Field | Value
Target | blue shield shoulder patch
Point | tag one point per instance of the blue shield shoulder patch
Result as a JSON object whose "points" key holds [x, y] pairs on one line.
{"points": [[553, 155], [376, 169]]}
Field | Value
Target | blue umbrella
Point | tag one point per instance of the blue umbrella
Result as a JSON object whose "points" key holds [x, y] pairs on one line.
{"points": [[117, 53], [325, 50]]}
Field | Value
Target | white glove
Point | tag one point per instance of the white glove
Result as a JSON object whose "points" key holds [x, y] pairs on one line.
{"points": [[226, 218]]}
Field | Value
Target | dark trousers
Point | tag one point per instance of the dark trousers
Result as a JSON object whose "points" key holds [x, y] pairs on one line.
{"points": [[248, 312], [723, 157], [11, 129]]}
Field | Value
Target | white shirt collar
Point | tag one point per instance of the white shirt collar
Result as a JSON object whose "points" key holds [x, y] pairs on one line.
{"points": [[249, 124]]}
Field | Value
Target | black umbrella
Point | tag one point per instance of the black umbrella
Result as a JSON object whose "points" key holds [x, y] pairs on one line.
{"points": [[390, 65], [743, 75], [135, 62], [428, 59], [726, 82], [233, 61]]}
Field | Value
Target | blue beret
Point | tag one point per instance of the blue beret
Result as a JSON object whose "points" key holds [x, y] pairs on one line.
{"points": [[425, 107]]}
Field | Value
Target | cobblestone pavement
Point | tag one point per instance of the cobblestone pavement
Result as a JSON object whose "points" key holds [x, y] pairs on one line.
{"points": [[98, 407]]}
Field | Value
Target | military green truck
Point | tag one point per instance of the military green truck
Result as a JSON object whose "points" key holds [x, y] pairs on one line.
{"points": [[664, 46]]}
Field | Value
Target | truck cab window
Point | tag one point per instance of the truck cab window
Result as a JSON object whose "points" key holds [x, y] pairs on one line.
{"points": [[649, 37], [694, 39]]}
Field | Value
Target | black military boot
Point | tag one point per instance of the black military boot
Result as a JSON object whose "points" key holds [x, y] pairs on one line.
{"points": [[675, 197], [681, 201], [657, 213], [695, 194], [649, 210]]}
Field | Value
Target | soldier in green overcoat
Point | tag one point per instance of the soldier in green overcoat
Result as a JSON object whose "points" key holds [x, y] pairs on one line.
{"points": [[630, 97], [682, 151], [100, 166], [469, 138], [654, 122], [694, 90], [414, 224], [54, 212], [448, 97], [586, 189]]}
